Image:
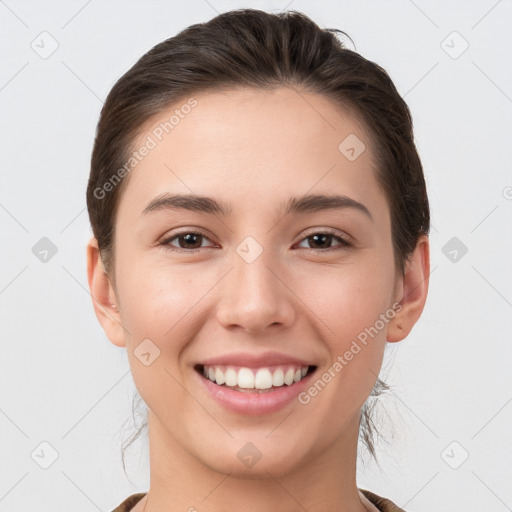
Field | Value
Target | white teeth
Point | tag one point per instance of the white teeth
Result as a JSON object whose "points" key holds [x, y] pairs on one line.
{"points": [[262, 378], [245, 378], [278, 378], [219, 376], [231, 377], [288, 376]]}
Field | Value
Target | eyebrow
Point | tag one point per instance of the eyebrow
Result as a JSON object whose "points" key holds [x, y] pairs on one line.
{"points": [[304, 204]]}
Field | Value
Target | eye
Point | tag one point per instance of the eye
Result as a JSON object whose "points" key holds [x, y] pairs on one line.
{"points": [[323, 240], [190, 241], [187, 240]]}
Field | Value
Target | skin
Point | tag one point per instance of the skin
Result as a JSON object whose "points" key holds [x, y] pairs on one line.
{"points": [[248, 148]]}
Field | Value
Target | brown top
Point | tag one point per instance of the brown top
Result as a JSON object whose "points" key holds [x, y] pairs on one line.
{"points": [[383, 504]]}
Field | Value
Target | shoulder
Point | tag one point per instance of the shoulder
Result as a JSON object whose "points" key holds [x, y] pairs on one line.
{"points": [[383, 504], [129, 502]]}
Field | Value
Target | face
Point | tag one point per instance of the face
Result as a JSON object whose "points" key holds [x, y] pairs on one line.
{"points": [[258, 280]]}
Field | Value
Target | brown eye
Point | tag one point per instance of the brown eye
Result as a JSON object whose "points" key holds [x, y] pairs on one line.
{"points": [[320, 241], [324, 240], [188, 240]]}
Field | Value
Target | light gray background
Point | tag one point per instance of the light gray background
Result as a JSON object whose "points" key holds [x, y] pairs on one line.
{"points": [[61, 380]]}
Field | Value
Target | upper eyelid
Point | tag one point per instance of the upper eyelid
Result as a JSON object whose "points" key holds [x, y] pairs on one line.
{"points": [[186, 232], [331, 231]]}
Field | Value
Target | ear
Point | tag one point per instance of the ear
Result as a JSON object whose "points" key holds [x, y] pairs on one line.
{"points": [[103, 296], [412, 292]]}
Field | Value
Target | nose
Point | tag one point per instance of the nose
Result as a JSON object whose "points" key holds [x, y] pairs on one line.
{"points": [[255, 297]]}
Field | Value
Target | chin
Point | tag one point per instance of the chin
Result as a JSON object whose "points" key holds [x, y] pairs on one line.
{"points": [[247, 461]]}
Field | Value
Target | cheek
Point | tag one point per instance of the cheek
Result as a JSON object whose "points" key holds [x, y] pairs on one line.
{"points": [[350, 307], [160, 304], [351, 303], [158, 298], [349, 299]]}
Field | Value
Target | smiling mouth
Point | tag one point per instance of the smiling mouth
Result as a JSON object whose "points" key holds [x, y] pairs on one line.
{"points": [[254, 380]]}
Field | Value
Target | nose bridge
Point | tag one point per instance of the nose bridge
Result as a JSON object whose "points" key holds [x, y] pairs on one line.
{"points": [[253, 297], [255, 282]]}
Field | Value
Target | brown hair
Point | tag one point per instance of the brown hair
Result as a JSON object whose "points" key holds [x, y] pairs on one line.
{"points": [[252, 48]]}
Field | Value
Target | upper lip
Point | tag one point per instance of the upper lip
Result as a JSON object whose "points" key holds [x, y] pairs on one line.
{"points": [[255, 361]]}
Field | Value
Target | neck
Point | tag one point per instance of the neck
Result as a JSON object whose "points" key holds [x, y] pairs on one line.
{"points": [[181, 482]]}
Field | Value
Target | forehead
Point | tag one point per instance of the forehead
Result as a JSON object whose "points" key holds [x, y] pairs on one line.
{"points": [[259, 144]]}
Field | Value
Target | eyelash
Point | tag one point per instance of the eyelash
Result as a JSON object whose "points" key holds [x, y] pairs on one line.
{"points": [[345, 242]]}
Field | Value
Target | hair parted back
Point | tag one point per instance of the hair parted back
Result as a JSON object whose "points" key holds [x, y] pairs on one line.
{"points": [[254, 49]]}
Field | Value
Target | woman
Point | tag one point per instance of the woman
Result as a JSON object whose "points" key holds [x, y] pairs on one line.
{"points": [[260, 227]]}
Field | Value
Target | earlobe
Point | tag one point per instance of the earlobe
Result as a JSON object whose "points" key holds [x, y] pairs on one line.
{"points": [[413, 292], [103, 296]]}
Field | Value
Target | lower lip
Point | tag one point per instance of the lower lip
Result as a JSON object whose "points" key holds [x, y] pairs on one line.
{"points": [[253, 403]]}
